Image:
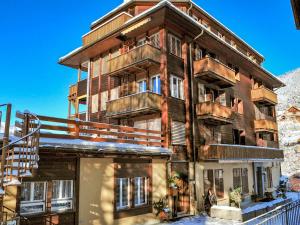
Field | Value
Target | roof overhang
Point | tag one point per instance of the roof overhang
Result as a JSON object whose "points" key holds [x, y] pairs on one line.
{"points": [[296, 11]]}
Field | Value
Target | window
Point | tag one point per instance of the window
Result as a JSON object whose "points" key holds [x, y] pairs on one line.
{"points": [[96, 68], [178, 133], [176, 87], [104, 99], [32, 197], [239, 137], [154, 40], [155, 84], [62, 195], [142, 86], [104, 65], [174, 45], [141, 42], [122, 193], [198, 53], [95, 103], [214, 180], [140, 191], [240, 179]]}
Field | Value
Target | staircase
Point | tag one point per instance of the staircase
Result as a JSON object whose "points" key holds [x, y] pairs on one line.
{"points": [[19, 156]]}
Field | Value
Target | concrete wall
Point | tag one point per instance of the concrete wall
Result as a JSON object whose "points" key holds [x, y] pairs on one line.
{"points": [[96, 194], [228, 179]]}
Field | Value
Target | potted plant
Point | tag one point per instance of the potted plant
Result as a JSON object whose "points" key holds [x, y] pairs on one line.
{"points": [[235, 197], [162, 209]]}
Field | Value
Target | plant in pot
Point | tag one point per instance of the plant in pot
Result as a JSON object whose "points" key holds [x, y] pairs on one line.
{"points": [[235, 197], [162, 209]]}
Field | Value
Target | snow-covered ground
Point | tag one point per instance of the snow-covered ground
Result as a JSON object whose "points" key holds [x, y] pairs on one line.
{"points": [[205, 220]]}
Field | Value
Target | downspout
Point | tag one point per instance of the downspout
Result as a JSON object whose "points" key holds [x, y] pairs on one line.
{"points": [[189, 9], [193, 110]]}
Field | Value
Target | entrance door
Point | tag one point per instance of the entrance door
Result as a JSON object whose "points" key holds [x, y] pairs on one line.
{"points": [[259, 178]]}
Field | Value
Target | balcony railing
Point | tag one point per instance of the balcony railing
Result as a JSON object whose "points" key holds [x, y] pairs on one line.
{"points": [[136, 59], [213, 71], [214, 113], [105, 28], [239, 153], [265, 125], [73, 91], [264, 95], [146, 102], [265, 143]]}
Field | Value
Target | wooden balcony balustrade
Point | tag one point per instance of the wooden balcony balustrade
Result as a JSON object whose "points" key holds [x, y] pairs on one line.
{"points": [[214, 113], [137, 59], [265, 125], [106, 28], [146, 102], [265, 143], [239, 152], [214, 72], [264, 96], [52, 127], [73, 92]]}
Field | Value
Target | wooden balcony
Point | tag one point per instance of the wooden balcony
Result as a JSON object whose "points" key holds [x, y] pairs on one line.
{"points": [[106, 28], [220, 152], [265, 125], [265, 143], [212, 71], [214, 113], [137, 59], [264, 96], [81, 88], [141, 103]]}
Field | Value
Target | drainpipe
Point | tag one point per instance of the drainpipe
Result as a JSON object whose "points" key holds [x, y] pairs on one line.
{"points": [[189, 9], [193, 110]]}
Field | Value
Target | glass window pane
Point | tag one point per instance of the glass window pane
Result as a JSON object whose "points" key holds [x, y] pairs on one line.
{"points": [[25, 191], [125, 191], [39, 191]]}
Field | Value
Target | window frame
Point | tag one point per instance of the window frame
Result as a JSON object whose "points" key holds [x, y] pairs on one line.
{"points": [[179, 93], [155, 42], [121, 206], [214, 178], [62, 199], [240, 172], [144, 83], [139, 191], [176, 49], [33, 202], [157, 84]]}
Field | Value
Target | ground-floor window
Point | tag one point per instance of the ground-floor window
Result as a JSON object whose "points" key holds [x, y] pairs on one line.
{"points": [[33, 197], [240, 179], [131, 192], [62, 195], [214, 180]]}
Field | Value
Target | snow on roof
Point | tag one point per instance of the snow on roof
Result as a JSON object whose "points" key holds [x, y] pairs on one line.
{"points": [[102, 147], [243, 146], [70, 53]]}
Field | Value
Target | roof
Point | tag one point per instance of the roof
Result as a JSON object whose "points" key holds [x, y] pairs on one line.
{"points": [[296, 11], [166, 3]]}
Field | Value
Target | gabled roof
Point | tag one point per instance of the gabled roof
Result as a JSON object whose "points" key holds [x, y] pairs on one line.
{"points": [[293, 109], [296, 11]]}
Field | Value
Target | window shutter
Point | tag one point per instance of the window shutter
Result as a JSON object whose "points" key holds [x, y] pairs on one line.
{"points": [[114, 93], [95, 103], [245, 180], [178, 133], [104, 99]]}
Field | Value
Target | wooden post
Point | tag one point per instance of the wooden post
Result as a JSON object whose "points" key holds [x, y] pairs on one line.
{"points": [[4, 149], [165, 86], [99, 90]]}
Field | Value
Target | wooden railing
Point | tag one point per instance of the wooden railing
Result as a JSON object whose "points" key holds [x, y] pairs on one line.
{"points": [[214, 68], [238, 152], [52, 127], [137, 103], [265, 125], [263, 94], [105, 28], [213, 110], [142, 54], [265, 143]]}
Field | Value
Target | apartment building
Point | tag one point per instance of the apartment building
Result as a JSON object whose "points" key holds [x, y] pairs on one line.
{"points": [[296, 11], [184, 80]]}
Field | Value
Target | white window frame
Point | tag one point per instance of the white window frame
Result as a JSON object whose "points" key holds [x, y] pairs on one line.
{"points": [[139, 203], [61, 199], [155, 36], [178, 92], [141, 42], [174, 40], [198, 53], [142, 82], [158, 87], [121, 206], [32, 202]]}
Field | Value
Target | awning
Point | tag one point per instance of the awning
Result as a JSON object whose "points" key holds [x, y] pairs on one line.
{"points": [[135, 26]]}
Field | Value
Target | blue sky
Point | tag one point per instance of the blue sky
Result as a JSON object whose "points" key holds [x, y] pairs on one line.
{"points": [[34, 34]]}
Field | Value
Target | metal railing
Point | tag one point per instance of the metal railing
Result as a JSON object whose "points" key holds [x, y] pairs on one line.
{"points": [[288, 214]]}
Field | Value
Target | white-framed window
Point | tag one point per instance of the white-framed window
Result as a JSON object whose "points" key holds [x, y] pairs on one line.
{"points": [[122, 193], [176, 86], [33, 195], [62, 195], [178, 133], [174, 45], [104, 100], [142, 85], [140, 191], [155, 84], [141, 42], [154, 40]]}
